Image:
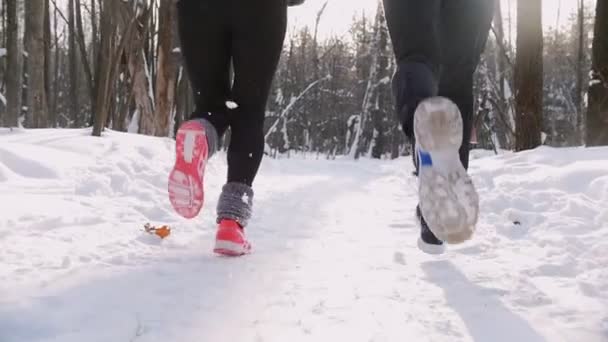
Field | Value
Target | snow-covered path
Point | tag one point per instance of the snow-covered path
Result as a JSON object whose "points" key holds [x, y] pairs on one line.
{"points": [[335, 250]]}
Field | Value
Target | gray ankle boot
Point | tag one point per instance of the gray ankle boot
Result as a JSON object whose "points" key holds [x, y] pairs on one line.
{"points": [[212, 136], [235, 203]]}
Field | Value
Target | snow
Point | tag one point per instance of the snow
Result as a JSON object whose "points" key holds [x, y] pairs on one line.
{"points": [[352, 120], [134, 123], [594, 82], [231, 105], [2, 52], [335, 249]]}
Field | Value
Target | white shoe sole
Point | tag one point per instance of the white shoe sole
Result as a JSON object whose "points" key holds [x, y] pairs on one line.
{"points": [[448, 199]]}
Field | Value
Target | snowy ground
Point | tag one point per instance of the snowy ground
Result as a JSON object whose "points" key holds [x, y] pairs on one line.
{"points": [[335, 250]]}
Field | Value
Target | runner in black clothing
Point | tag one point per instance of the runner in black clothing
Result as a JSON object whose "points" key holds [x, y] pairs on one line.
{"points": [[215, 35], [438, 44]]}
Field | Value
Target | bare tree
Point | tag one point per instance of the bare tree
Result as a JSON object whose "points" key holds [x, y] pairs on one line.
{"points": [[167, 68], [48, 75], [94, 35], [111, 49], [529, 74], [74, 106], [37, 99], [369, 100], [580, 63], [14, 64], [316, 96], [83, 52], [379, 138], [139, 70], [289, 108]]}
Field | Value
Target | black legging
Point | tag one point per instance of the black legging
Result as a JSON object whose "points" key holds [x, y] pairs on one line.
{"points": [[249, 34], [438, 44]]}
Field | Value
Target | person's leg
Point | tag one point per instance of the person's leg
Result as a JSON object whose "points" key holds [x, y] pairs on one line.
{"points": [[205, 44], [448, 200], [465, 25], [414, 28], [258, 31]]}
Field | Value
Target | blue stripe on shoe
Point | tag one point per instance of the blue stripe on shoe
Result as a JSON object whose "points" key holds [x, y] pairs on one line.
{"points": [[425, 158]]}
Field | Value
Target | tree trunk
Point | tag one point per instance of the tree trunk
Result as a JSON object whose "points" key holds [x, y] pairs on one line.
{"points": [[167, 68], [358, 145], [4, 27], [115, 18], [103, 80], [94, 36], [83, 51], [501, 54], [379, 114], [74, 103], [185, 101], [597, 115], [580, 64], [48, 75], [316, 100], [14, 66], [139, 71], [54, 92], [529, 75], [503, 118], [142, 94], [37, 99]]}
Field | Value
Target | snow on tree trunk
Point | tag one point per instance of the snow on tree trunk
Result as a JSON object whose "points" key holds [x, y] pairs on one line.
{"points": [[139, 70], [357, 146], [285, 135]]}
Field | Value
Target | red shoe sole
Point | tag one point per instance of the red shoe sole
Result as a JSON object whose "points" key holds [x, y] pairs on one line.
{"points": [[185, 188]]}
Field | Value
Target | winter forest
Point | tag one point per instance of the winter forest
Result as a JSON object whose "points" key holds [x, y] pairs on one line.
{"points": [[117, 64]]}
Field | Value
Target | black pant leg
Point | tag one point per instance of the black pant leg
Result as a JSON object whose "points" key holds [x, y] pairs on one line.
{"points": [[415, 33], [258, 29], [414, 29], [465, 26], [205, 43]]}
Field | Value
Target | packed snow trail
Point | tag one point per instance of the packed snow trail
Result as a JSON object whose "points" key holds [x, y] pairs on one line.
{"points": [[335, 256]]}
